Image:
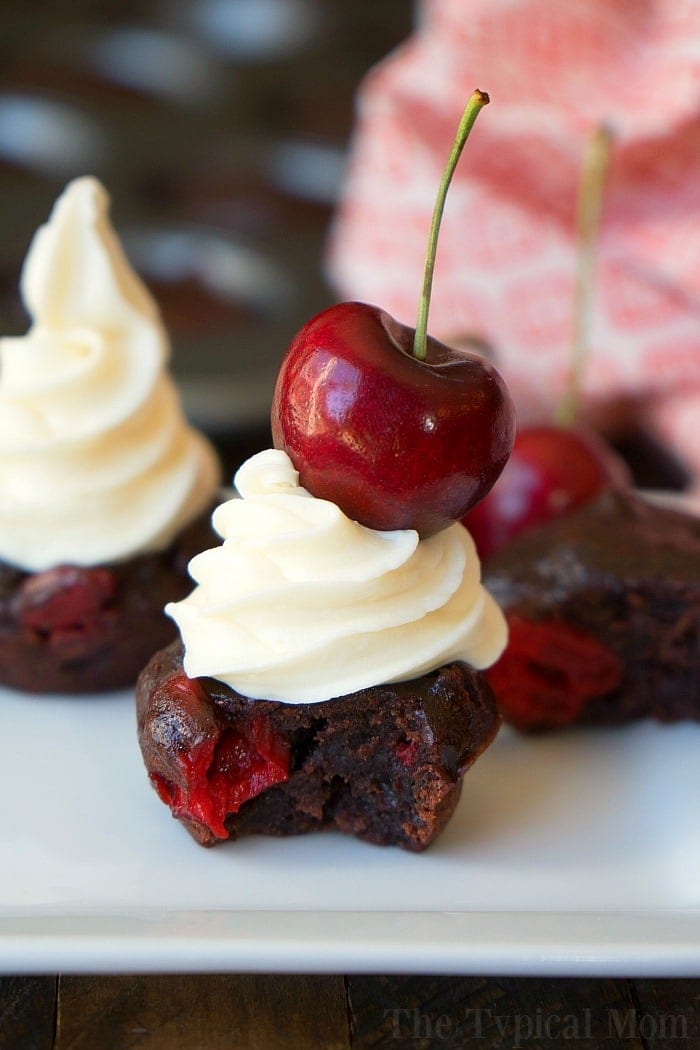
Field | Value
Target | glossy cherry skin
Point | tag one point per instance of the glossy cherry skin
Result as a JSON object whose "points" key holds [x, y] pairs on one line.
{"points": [[551, 471], [396, 442]]}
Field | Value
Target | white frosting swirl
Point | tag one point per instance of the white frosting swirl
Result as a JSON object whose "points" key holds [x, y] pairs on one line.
{"points": [[97, 462], [301, 604]]}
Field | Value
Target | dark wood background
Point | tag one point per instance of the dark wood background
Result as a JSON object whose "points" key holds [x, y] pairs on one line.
{"points": [[337, 1013]]}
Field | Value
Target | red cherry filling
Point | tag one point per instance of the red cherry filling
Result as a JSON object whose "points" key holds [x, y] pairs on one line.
{"points": [[406, 751], [223, 772], [69, 605], [548, 673]]}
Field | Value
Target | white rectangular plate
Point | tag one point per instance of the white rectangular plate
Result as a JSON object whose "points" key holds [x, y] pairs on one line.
{"points": [[576, 853]]}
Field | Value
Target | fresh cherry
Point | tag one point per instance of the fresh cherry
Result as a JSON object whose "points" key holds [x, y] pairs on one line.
{"points": [[396, 442], [552, 470], [557, 468], [398, 429]]}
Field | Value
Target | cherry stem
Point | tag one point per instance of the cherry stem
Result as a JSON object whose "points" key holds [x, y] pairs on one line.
{"points": [[474, 106], [589, 207]]}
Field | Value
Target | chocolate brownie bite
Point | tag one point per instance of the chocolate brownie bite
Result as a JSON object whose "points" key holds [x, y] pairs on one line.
{"points": [[107, 490], [326, 676], [603, 607], [384, 764]]}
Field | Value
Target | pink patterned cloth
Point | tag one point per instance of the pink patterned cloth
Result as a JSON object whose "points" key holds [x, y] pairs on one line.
{"points": [[505, 266]]}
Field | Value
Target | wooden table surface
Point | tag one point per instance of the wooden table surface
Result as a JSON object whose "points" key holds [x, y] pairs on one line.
{"points": [[193, 1012]]}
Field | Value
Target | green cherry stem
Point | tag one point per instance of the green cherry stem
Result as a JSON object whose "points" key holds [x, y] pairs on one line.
{"points": [[474, 106], [589, 207]]}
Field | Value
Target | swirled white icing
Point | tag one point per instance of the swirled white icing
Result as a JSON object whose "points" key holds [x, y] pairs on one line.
{"points": [[97, 461], [301, 604]]}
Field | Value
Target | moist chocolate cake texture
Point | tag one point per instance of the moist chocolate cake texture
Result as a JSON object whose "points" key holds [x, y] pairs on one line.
{"points": [[384, 764], [71, 629], [604, 610]]}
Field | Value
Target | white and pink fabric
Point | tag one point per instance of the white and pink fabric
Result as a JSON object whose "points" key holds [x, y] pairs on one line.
{"points": [[506, 259]]}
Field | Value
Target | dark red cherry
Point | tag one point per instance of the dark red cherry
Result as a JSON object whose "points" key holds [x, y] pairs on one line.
{"points": [[401, 431], [396, 442], [551, 471]]}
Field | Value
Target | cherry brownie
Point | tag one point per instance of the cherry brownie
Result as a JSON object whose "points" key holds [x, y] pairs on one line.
{"points": [[603, 606], [384, 763], [75, 629]]}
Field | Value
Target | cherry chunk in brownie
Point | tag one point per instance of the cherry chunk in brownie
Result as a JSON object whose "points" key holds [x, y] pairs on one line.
{"points": [[85, 629], [603, 607], [384, 763]]}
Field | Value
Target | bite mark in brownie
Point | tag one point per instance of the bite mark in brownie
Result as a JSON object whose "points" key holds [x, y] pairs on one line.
{"points": [[384, 764]]}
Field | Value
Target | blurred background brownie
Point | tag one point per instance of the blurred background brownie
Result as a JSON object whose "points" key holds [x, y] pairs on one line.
{"points": [[603, 606]]}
